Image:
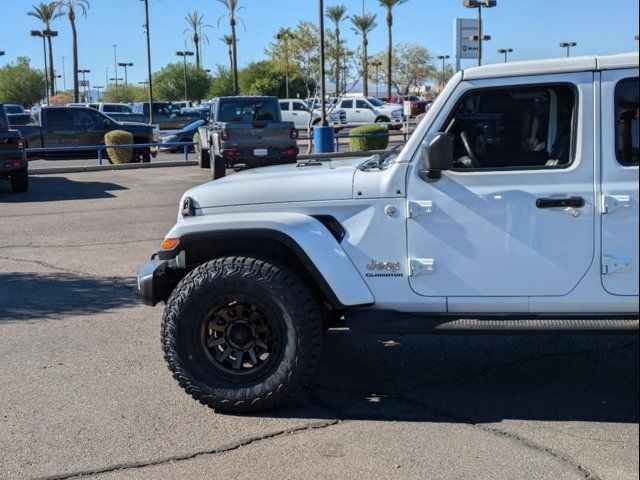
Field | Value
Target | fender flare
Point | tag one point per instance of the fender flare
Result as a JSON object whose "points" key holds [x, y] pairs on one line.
{"points": [[307, 238]]}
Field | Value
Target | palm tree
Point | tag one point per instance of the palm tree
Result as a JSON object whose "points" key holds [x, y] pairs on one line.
{"points": [[70, 7], [233, 8], [228, 41], [336, 15], [196, 25], [363, 25], [47, 13], [285, 35], [389, 5]]}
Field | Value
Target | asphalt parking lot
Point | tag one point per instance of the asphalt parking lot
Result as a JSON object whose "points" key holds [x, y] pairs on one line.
{"points": [[84, 391]]}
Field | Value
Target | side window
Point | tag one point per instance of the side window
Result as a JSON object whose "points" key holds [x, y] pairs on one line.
{"points": [[300, 107], [347, 104], [284, 106], [85, 118], [109, 108], [514, 128], [59, 118], [362, 104], [627, 126]]}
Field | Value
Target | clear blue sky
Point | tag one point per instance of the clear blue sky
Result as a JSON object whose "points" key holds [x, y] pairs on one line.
{"points": [[532, 28]]}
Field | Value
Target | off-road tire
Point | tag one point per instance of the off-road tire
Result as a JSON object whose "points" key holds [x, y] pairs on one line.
{"points": [[295, 310], [204, 157], [218, 167], [142, 155], [19, 180]]}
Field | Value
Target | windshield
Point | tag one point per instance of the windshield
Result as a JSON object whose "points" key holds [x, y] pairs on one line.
{"points": [[13, 109], [376, 102], [248, 110]]}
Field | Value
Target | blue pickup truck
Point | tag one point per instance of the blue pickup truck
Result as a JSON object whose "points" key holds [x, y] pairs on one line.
{"points": [[13, 162]]}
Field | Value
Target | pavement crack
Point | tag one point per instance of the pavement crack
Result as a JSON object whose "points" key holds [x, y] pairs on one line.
{"points": [[179, 458]]}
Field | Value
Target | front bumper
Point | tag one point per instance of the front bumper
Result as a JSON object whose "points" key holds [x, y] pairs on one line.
{"points": [[153, 282]]}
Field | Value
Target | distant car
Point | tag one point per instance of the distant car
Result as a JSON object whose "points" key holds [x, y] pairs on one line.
{"points": [[167, 115], [418, 106], [13, 162], [365, 111], [16, 114], [120, 112], [297, 111], [185, 135]]}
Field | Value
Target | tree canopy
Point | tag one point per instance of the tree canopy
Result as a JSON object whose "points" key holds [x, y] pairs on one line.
{"points": [[169, 82], [21, 84], [412, 67]]}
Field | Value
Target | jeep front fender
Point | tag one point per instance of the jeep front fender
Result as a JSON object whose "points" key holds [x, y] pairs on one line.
{"points": [[307, 238]]}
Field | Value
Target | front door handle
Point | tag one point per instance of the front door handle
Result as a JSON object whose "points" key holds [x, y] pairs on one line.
{"points": [[575, 202]]}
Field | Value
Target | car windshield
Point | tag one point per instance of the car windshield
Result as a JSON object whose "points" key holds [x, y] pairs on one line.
{"points": [[248, 110], [13, 109], [376, 102]]}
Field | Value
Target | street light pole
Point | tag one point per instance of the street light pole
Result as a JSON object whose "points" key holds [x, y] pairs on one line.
{"points": [[323, 111], [184, 56], [505, 52], [149, 79], [443, 58], [285, 36], [98, 88], [64, 75], [44, 34], [568, 46], [84, 83], [480, 4], [115, 62], [377, 64], [126, 65]]}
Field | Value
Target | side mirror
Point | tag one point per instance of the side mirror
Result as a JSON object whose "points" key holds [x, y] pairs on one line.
{"points": [[436, 156]]}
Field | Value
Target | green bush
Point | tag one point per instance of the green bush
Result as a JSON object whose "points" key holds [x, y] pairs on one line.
{"points": [[119, 155], [379, 142]]}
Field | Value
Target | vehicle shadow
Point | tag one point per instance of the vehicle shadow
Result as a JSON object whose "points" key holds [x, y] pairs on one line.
{"points": [[472, 379], [45, 188], [38, 296]]}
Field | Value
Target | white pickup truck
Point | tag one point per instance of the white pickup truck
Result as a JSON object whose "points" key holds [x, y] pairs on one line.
{"points": [[297, 111], [512, 209]]}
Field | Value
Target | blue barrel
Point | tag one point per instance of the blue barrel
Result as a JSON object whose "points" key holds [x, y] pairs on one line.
{"points": [[323, 140]]}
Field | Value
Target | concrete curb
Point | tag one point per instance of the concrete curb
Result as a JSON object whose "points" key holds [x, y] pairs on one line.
{"points": [[100, 168]]}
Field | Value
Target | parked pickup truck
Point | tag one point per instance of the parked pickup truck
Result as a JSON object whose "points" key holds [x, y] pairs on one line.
{"points": [[246, 131], [78, 127], [166, 115], [17, 115], [13, 163], [538, 234], [297, 111], [418, 106], [120, 112], [364, 111]]}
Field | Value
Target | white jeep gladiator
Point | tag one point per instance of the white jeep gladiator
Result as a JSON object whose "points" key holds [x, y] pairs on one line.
{"points": [[512, 209]]}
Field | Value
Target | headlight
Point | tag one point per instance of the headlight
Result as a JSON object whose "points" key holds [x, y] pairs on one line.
{"points": [[334, 117], [396, 113]]}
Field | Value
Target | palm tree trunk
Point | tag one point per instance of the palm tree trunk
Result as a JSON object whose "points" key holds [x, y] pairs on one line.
{"points": [[197, 45], [338, 62], [365, 67], [389, 56], [230, 59], [236, 89], [76, 86], [51, 69]]}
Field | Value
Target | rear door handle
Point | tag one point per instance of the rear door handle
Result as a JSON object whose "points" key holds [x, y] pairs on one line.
{"points": [[575, 202]]}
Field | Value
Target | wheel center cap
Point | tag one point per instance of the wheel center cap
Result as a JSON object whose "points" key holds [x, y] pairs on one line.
{"points": [[240, 335]]}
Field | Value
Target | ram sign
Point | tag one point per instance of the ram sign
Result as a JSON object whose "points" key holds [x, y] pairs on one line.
{"points": [[465, 48]]}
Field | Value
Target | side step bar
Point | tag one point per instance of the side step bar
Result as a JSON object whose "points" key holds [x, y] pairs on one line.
{"points": [[390, 322]]}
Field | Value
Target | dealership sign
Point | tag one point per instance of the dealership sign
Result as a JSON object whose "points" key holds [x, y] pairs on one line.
{"points": [[464, 47]]}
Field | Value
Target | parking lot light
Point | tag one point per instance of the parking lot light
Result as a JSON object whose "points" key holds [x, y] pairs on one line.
{"points": [[184, 55], [444, 58], [568, 46], [126, 65], [505, 51], [44, 34], [479, 4]]}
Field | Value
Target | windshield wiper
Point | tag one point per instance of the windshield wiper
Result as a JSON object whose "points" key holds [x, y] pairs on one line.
{"points": [[380, 160]]}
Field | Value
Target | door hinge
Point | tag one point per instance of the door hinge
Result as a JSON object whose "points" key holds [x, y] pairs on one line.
{"points": [[423, 207], [613, 265], [422, 266], [611, 203]]}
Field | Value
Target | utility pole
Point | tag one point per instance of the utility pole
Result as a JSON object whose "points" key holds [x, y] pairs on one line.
{"points": [[184, 56], [147, 28]]}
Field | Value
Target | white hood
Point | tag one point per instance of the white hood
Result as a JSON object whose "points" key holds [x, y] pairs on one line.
{"points": [[331, 180]]}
